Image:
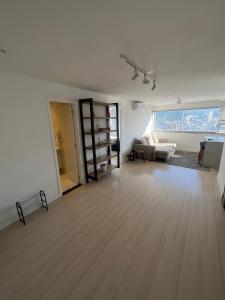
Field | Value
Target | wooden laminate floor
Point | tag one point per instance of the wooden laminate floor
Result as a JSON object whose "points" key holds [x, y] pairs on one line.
{"points": [[148, 231]]}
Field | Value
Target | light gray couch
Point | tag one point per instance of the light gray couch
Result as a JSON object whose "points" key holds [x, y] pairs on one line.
{"points": [[162, 150]]}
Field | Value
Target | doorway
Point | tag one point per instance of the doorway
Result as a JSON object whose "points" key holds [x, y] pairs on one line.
{"points": [[65, 146]]}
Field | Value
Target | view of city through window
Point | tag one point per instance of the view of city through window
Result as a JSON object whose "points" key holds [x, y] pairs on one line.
{"points": [[204, 119]]}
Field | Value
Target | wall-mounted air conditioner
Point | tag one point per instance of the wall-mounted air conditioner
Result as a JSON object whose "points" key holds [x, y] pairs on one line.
{"points": [[138, 105]]}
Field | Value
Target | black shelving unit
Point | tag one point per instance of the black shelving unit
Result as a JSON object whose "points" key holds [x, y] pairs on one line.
{"points": [[95, 139]]}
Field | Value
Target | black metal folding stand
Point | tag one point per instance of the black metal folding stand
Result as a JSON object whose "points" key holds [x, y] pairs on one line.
{"points": [[20, 212], [19, 208]]}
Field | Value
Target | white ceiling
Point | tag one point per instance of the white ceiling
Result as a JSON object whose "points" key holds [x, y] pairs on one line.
{"points": [[79, 43]]}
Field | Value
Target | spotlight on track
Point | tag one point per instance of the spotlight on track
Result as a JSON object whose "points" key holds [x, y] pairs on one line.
{"points": [[138, 70], [154, 85], [145, 81], [3, 51], [135, 76]]}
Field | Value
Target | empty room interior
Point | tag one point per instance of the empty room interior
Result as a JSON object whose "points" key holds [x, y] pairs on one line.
{"points": [[112, 157]]}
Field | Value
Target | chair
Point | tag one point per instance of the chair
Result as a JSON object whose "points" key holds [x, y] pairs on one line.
{"points": [[201, 152]]}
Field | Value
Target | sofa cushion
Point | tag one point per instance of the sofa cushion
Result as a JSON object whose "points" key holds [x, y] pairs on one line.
{"points": [[150, 140], [173, 145], [137, 141], [143, 141], [155, 138], [164, 152]]}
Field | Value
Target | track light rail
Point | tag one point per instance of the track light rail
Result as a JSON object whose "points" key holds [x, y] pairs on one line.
{"points": [[136, 67]]}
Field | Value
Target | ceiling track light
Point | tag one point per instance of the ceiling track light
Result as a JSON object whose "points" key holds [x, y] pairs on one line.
{"points": [[3, 51], [147, 75], [146, 80], [135, 76], [154, 85]]}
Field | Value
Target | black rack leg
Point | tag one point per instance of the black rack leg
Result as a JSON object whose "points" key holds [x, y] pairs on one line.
{"points": [[43, 198], [20, 213]]}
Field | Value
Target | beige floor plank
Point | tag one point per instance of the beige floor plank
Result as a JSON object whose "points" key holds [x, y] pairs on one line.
{"points": [[58, 251], [58, 291], [128, 238], [148, 231]]}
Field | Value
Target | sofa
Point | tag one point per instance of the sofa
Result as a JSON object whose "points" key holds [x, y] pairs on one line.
{"points": [[154, 148]]}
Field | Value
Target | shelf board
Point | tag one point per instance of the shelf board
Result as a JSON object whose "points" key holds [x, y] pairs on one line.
{"points": [[107, 118], [100, 132], [101, 103], [102, 145], [102, 158], [103, 173]]}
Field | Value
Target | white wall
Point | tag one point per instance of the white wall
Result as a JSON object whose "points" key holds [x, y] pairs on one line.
{"points": [[221, 174], [26, 153], [186, 141], [135, 123], [187, 105]]}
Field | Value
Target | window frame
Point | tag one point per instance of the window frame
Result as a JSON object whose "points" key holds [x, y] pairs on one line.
{"points": [[183, 131]]}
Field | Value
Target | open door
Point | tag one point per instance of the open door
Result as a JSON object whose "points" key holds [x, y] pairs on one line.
{"points": [[65, 145]]}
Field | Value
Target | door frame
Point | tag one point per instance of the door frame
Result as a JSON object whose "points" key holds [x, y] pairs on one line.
{"points": [[69, 100]]}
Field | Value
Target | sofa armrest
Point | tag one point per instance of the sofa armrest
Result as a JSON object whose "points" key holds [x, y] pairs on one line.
{"points": [[163, 141], [149, 151]]}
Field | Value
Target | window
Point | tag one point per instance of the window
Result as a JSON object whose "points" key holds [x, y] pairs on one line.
{"points": [[112, 122], [190, 120], [222, 128]]}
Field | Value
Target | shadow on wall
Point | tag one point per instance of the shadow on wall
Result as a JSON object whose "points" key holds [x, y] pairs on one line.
{"points": [[136, 123]]}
